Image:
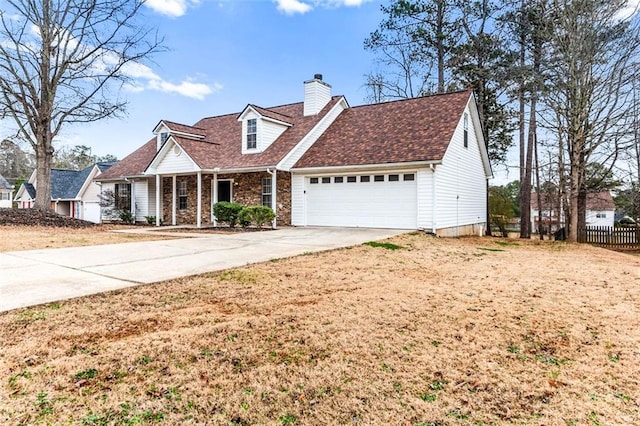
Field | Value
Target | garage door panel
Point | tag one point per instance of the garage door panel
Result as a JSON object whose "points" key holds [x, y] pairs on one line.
{"points": [[362, 204]]}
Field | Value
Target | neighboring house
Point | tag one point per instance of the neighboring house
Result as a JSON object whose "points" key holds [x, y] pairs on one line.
{"points": [[6, 193], [409, 164], [74, 193], [600, 211]]}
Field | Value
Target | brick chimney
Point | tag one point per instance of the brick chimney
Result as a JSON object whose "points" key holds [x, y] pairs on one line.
{"points": [[317, 94]]}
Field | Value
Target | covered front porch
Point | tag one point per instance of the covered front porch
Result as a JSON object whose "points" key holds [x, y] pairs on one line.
{"points": [[188, 199]]}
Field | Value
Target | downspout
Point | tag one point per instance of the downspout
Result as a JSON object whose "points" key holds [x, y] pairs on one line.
{"points": [[434, 227], [274, 191]]}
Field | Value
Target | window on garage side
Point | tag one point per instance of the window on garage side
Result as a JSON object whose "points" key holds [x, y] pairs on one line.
{"points": [[378, 178], [338, 179], [313, 180], [394, 178], [408, 176], [351, 179], [365, 178], [266, 192], [182, 195], [466, 130], [326, 180], [123, 197]]}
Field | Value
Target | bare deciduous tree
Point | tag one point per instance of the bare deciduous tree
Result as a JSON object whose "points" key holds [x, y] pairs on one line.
{"points": [[65, 62], [591, 88]]}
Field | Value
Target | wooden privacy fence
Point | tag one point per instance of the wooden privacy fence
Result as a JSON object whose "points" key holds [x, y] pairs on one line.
{"points": [[615, 238]]}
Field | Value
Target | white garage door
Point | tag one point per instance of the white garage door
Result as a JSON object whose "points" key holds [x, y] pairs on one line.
{"points": [[366, 200], [91, 212]]}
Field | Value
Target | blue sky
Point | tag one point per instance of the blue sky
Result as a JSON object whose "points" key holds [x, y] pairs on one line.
{"points": [[225, 54]]}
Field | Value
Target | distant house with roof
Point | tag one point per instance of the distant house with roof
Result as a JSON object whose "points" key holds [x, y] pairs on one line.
{"points": [[74, 193], [410, 164], [6, 193], [600, 211]]}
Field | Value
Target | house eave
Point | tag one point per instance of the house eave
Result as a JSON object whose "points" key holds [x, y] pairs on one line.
{"points": [[360, 167]]}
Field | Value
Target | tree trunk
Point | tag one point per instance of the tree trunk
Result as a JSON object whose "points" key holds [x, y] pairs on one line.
{"points": [[541, 231], [525, 185], [572, 234], [582, 210], [43, 178], [440, 30]]}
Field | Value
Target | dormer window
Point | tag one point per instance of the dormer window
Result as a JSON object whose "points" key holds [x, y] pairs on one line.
{"points": [[163, 137], [252, 133]]}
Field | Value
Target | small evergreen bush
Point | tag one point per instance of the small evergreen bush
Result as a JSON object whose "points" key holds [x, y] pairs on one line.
{"points": [[127, 217], [258, 215], [227, 212]]}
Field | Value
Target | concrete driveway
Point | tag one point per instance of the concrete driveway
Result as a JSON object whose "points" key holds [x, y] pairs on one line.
{"points": [[40, 276]]}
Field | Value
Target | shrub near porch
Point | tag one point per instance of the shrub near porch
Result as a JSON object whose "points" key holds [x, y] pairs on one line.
{"points": [[246, 190]]}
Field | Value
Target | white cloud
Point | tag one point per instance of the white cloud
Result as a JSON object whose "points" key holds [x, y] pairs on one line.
{"points": [[172, 8], [291, 7], [185, 88], [144, 78]]}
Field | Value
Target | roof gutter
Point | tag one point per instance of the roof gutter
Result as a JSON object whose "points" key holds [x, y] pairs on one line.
{"points": [[355, 168]]}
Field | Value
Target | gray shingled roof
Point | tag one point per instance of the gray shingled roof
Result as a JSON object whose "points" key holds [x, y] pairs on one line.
{"points": [[66, 184], [4, 184], [31, 190]]}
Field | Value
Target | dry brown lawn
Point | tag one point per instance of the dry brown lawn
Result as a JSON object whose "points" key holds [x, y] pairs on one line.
{"points": [[13, 238], [440, 332]]}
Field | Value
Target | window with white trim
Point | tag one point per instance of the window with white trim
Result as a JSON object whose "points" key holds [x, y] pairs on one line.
{"points": [[601, 215], [182, 195], [466, 130], [252, 133], [163, 137], [267, 194], [122, 197]]}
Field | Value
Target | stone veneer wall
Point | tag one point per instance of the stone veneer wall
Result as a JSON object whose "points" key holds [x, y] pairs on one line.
{"points": [[189, 215], [247, 190]]}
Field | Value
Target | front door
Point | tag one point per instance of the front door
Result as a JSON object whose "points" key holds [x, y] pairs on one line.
{"points": [[224, 190]]}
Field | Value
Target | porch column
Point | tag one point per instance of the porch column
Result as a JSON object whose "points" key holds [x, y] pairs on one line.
{"points": [[173, 201], [274, 196], [158, 200], [133, 200], [214, 198], [199, 212]]}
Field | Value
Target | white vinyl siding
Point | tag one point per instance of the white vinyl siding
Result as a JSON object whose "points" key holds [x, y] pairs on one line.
{"points": [[424, 179], [266, 132], [316, 95], [606, 218], [461, 182], [175, 161]]}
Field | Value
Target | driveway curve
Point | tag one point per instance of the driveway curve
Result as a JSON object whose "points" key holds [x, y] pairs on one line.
{"points": [[34, 277]]}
